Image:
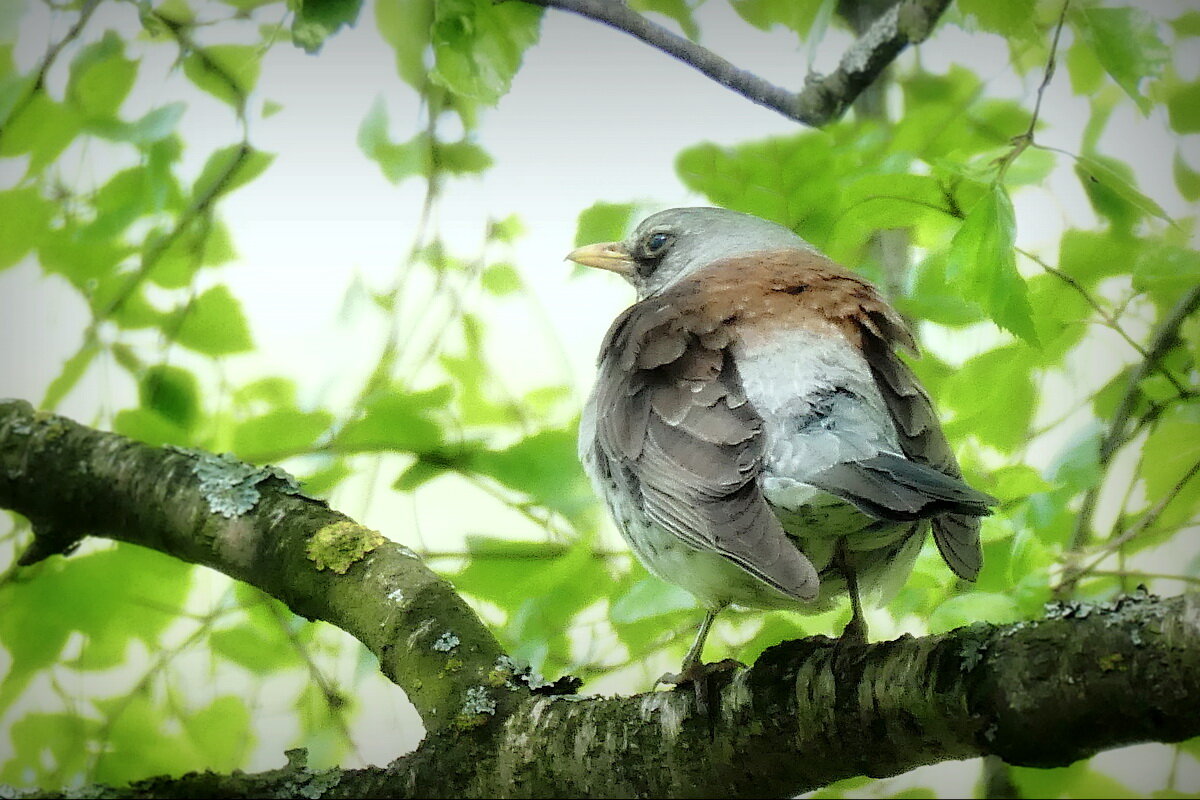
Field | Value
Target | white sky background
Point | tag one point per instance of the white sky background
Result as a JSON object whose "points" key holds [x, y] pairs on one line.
{"points": [[592, 115]]}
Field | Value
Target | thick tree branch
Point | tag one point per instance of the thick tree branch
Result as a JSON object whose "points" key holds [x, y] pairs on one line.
{"points": [[824, 99], [1043, 693], [72, 481]]}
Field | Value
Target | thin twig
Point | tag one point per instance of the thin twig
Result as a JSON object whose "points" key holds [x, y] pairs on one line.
{"points": [[1109, 320], [155, 251], [334, 699], [1160, 343], [823, 99], [1147, 519], [1024, 140], [47, 62], [1127, 573]]}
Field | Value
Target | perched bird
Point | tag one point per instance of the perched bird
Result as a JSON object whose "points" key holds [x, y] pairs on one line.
{"points": [[753, 431]]}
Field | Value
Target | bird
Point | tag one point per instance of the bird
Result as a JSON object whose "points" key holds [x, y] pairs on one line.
{"points": [[753, 430]]}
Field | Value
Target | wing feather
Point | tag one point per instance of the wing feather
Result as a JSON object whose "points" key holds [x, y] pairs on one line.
{"points": [[672, 415], [922, 440]]}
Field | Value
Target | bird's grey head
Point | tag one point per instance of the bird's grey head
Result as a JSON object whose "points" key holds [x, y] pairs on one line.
{"points": [[673, 244]]}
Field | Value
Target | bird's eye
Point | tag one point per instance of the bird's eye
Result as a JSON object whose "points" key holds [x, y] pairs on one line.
{"points": [[657, 243]]}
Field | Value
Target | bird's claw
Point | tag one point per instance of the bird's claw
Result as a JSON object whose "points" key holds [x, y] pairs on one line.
{"points": [[697, 673]]}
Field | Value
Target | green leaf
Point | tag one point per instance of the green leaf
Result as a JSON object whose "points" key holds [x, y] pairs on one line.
{"points": [[506, 230], [1061, 316], [121, 297], [982, 265], [397, 160], [128, 195], [966, 609], [221, 733], [678, 10], [43, 129], [229, 168], [798, 15], [72, 370], [1087, 74], [545, 466], [171, 392], [88, 256], [480, 401], [271, 391], [421, 472], [1187, 180], [26, 219], [405, 25], [501, 279], [1187, 24], [648, 598], [540, 588], [204, 242], [264, 621], [461, 158], [260, 651], [317, 20], [1007, 18], [397, 421], [321, 482], [153, 126], [1110, 187], [1077, 466], [226, 71], [1169, 455], [603, 222], [1183, 106], [143, 589], [212, 324], [930, 296], [1126, 41], [796, 181], [101, 77], [1090, 256], [478, 45], [278, 433], [1077, 780], [47, 746], [150, 427], [884, 202], [1000, 418], [1165, 270]]}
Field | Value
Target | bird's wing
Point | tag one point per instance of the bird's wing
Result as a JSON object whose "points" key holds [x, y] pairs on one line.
{"points": [[921, 436], [805, 290], [674, 424]]}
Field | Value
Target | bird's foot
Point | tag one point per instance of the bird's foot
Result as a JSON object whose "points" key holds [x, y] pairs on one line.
{"points": [[850, 647], [698, 673], [700, 678], [854, 634]]}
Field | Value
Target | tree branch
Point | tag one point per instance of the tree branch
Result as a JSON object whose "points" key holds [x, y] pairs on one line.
{"points": [[72, 481], [1043, 693], [1164, 338], [824, 99]]}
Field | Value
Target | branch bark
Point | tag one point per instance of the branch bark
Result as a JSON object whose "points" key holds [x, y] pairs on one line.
{"points": [[824, 99], [1044, 693], [72, 481]]}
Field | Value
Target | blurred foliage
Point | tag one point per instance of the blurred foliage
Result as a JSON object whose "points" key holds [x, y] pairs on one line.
{"points": [[143, 248]]}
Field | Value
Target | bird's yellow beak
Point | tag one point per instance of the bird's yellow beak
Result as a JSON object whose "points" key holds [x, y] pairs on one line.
{"points": [[611, 256]]}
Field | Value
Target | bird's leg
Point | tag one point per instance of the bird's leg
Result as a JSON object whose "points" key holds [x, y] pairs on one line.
{"points": [[693, 670], [855, 631], [692, 659]]}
